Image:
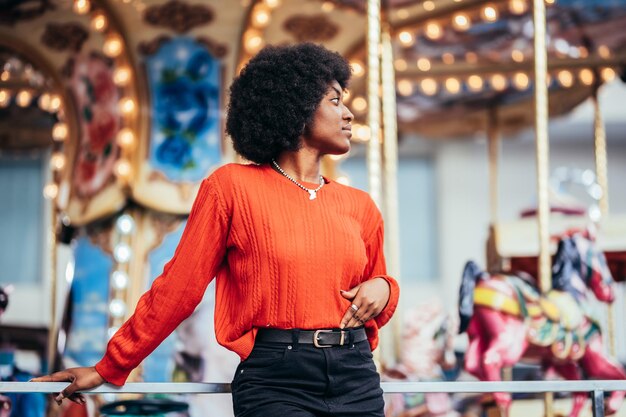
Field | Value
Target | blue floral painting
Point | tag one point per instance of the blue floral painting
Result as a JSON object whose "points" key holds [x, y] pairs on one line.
{"points": [[184, 81], [158, 366], [88, 335]]}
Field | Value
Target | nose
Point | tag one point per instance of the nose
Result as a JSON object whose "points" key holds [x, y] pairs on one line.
{"points": [[347, 114]]}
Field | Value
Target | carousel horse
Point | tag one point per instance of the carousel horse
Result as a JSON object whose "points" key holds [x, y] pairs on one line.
{"points": [[507, 319], [427, 349]]}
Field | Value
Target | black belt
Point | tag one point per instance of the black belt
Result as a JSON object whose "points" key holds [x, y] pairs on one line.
{"points": [[318, 338]]}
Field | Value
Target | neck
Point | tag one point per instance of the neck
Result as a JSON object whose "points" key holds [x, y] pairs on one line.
{"points": [[302, 166]]}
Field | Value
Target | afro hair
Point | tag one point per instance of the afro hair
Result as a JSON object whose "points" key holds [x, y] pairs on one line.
{"points": [[275, 96]]}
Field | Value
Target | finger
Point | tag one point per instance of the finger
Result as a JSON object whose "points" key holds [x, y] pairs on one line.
{"points": [[368, 314], [352, 323], [44, 378], [68, 392], [349, 317], [367, 317], [346, 318], [77, 398], [365, 312], [350, 294], [55, 377], [354, 320]]}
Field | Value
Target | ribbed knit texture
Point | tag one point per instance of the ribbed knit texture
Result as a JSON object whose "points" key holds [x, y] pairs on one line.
{"points": [[279, 260]]}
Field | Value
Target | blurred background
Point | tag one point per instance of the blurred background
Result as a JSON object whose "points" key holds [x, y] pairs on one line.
{"points": [[112, 112]]}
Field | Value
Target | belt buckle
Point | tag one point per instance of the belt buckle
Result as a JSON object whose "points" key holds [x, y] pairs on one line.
{"points": [[316, 338]]}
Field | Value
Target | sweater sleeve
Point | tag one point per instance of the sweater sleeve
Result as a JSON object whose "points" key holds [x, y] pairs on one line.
{"points": [[177, 291], [376, 267]]}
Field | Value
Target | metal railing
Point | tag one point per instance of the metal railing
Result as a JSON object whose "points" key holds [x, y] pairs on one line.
{"points": [[596, 388]]}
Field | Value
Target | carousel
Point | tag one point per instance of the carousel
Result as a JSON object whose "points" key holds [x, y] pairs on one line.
{"points": [[118, 105]]}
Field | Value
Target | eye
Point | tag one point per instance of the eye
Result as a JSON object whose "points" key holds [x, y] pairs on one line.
{"points": [[335, 100]]}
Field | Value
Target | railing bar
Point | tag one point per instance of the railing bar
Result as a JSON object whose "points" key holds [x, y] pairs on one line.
{"points": [[506, 386], [388, 387], [597, 403]]}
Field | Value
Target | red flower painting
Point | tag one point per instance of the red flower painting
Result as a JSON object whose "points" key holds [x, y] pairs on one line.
{"points": [[96, 99]]}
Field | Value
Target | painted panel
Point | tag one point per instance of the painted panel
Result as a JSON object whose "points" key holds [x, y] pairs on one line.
{"points": [[185, 133], [88, 337], [184, 81], [94, 192], [159, 365]]}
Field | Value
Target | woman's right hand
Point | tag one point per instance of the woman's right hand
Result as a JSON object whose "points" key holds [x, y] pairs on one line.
{"points": [[81, 379]]}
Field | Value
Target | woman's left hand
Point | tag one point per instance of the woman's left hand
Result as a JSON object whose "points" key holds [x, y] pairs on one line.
{"points": [[368, 299]]}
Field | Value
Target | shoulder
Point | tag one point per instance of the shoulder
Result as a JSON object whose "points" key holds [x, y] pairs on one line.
{"points": [[230, 174], [234, 170], [363, 201], [353, 193]]}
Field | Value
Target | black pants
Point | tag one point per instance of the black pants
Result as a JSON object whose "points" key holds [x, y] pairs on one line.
{"points": [[287, 380]]}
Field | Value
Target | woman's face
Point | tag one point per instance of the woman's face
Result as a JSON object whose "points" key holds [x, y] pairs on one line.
{"points": [[331, 129]]}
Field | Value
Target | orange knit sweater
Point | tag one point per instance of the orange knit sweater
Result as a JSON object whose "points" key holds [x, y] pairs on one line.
{"points": [[279, 260]]}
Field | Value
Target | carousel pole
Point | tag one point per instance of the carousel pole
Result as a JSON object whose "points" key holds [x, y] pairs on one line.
{"points": [[543, 157], [542, 145], [599, 135], [493, 144], [493, 140], [54, 328], [374, 160], [390, 167]]}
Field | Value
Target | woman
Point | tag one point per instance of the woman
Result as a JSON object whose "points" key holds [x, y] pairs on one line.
{"points": [[301, 288]]}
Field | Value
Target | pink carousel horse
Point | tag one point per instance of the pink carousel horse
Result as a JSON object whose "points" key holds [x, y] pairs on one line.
{"points": [[426, 351], [507, 319]]}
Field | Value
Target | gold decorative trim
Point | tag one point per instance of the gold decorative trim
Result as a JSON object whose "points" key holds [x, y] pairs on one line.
{"points": [[179, 16]]}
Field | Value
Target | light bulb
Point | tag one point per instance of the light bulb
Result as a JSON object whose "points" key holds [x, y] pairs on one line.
{"points": [[24, 98], [117, 308], [122, 252], [423, 64], [81, 6], [127, 105], [498, 82], [453, 85], [122, 169], [489, 13], [125, 224], [566, 79], [405, 87], [359, 104], [57, 161], [434, 30], [125, 138], [121, 76], [586, 76], [99, 22], [521, 80], [113, 45], [461, 22], [406, 38], [429, 86], [59, 132], [55, 103], [475, 83], [400, 64], [119, 280], [5, 98], [357, 68], [253, 41]]}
